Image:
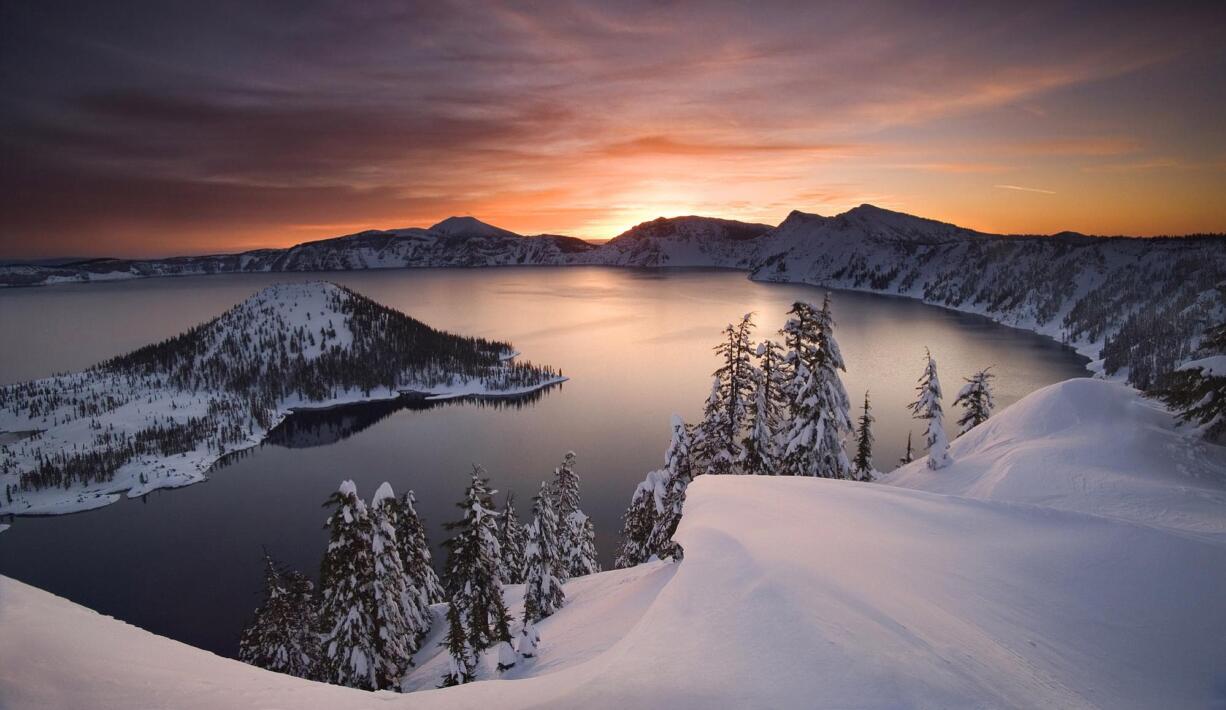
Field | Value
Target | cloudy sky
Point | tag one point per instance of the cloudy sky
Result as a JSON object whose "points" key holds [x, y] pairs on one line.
{"points": [[133, 128]]}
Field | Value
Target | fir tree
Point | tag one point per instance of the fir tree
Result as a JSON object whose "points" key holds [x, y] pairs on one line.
{"points": [[396, 634], [710, 450], [976, 399], [907, 456], [576, 538], [927, 405], [463, 657], [543, 594], [733, 393], [415, 554], [1197, 389], [638, 521], [862, 465], [347, 604], [820, 416], [473, 580], [669, 497], [511, 538], [282, 637], [760, 448]]}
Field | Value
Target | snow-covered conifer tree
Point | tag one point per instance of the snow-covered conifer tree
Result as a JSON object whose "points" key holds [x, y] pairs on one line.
{"points": [[543, 594], [862, 465], [347, 612], [819, 410], [976, 399], [511, 537], [760, 448], [415, 554], [638, 522], [396, 634], [576, 539], [473, 581], [710, 452], [927, 405], [1196, 390], [462, 655], [283, 635]]}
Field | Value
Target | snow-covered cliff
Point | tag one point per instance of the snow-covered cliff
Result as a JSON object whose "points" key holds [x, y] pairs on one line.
{"points": [[1073, 556]]}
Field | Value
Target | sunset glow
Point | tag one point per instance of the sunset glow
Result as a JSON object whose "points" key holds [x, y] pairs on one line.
{"points": [[222, 126]]}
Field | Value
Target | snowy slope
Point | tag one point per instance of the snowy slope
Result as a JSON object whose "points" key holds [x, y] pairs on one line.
{"points": [[802, 593], [1092, 447]]}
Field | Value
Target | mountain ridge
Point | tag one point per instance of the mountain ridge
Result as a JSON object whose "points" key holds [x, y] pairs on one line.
{"points": [[1133, 306]]}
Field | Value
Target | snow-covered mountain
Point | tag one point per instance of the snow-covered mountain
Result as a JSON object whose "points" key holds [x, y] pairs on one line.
{"points": [[1050, 566], [158, 417], [1135, 307]]}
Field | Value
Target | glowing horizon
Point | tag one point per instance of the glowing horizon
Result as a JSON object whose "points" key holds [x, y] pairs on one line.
{"points": [[226, 127]]}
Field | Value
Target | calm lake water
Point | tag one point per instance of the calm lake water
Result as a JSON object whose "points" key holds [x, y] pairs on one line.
{"points": [[636, 344]]}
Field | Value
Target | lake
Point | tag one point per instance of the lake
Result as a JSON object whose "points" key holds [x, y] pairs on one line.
{"points": [[636, 344]]}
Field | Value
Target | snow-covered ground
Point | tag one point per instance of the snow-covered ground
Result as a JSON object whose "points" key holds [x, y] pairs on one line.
{"points": [[1074, 555]]}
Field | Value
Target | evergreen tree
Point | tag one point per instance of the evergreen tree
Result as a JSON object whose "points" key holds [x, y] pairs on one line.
{"points": [[927, 405], [396, 634], [511, 538], [976, 399], [463, 657], [282, 637], [638, 521], [577, 557], [424, 586], [862, 465], [711, 452], [760, 448], [350, 655], [907, 456], [820, 416], [473, 581], [543, 594], [1197, 389]]}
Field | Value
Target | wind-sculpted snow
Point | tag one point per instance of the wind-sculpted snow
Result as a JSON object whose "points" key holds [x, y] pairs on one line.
{"points": [[1135, 307], [159, 416], [1054, 564]]}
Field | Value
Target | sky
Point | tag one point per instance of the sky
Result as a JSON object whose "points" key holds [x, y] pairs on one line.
{"points": [[159, 128]]}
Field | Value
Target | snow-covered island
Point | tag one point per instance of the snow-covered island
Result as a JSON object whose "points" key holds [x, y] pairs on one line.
{"points": [[160, 416], [1073, 556]]}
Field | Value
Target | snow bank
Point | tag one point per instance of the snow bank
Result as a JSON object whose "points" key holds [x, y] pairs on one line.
{"points": [[1088, 446], [1064, 564]]}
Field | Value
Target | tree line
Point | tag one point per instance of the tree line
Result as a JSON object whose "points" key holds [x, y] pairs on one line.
{"points": [[372, 611]]}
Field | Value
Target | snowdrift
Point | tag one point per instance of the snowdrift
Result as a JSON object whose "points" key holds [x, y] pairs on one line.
{"points": [[1093, 447], [814, 593]]}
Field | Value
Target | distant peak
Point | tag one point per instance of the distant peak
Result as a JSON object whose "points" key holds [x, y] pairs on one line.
{"points": [[470, 227]]}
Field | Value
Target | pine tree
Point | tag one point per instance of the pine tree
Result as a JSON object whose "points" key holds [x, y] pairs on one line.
{"points": [[820, 416], [670, 497], [396, 634], [927, 405], [862, 465], [347, 604], [415, 554], [282, 637], [907, 456], [976, 399], [473, 580], [511, 538], [710, 450], [1197, 389], [463, 666], [638, 521], [543, 594], [760, 448], [576, 538]]}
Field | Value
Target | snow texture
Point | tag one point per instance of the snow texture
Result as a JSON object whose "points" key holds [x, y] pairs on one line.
{"points": [[1073, 556]]}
